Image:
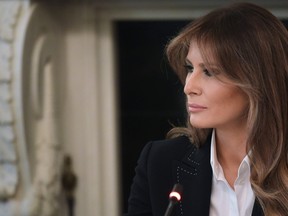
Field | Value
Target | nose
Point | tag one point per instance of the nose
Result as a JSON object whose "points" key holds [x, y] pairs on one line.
{"points": [[193, 84]]}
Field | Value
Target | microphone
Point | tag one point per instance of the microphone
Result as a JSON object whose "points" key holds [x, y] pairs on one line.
{"points": [[174, 198]]}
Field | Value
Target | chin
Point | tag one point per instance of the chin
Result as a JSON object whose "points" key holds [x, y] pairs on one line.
{"points": [[200, 126], [199, 123]]}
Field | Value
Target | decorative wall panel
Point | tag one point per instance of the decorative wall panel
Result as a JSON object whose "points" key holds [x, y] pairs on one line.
{"points": [[30, 153]]}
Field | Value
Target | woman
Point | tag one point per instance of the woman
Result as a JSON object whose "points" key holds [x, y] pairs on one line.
{"points": [[231, 159]]}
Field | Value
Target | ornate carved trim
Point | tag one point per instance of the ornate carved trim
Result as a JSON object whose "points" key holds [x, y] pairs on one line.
{"points": [[30, 149], [9, 175]]}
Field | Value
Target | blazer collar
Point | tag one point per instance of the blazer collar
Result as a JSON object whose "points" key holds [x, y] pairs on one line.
{"points": [[194, 173]]}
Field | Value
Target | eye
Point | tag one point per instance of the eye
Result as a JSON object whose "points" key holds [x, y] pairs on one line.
{"points": [[189, 68], [207, 73]]}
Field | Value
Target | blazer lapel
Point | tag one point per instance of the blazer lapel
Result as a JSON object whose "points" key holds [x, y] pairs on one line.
{"points": [[195, 175], [257, 210]]}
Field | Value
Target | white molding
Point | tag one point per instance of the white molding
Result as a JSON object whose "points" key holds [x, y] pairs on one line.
{"points": [[108, 105], [187, 13], [37, 139], [172, 4]]}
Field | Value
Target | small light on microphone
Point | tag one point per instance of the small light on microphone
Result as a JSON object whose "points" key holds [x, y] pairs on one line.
{"points": [[176, 195]]}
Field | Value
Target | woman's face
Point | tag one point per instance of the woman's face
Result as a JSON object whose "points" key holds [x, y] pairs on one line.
{"points": [[212, 102]]}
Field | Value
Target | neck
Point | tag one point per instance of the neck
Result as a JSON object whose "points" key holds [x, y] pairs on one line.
{"points": [[231, 143], [231, 150]]}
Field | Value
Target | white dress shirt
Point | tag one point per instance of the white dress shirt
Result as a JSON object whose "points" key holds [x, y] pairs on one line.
{"points": [[225, 200]]}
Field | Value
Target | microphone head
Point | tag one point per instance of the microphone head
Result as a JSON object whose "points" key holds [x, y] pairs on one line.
{"points": [[176, 192]]}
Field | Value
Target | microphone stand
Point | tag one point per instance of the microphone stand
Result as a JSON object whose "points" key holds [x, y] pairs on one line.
{"points": [[174, 198]]}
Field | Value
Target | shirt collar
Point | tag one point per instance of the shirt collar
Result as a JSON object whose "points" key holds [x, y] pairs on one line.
{"points": [[213, 157]]}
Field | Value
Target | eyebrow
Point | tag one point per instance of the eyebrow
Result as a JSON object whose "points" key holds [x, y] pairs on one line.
{"points": [[187, 61], [211, 66]]}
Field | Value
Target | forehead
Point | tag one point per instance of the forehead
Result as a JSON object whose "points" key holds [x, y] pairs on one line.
{"points": [[194, 52]]}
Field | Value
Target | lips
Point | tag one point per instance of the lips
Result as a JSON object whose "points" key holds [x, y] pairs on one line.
{"points": [[192, 107]]}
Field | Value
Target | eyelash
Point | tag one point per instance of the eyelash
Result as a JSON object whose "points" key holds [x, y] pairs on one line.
{"points": [[190, 68]]}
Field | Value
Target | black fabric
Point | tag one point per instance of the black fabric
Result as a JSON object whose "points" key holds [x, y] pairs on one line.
{"points": [[164, 163]]}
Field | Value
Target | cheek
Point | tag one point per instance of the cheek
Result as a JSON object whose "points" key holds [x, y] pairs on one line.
{"points": [[233, 101], [238, 103]]}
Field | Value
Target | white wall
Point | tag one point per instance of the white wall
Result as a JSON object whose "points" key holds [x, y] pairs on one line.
{"points": [[87, 114]]}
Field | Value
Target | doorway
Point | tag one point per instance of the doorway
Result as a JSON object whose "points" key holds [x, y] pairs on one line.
{"points": [[150, 95]]}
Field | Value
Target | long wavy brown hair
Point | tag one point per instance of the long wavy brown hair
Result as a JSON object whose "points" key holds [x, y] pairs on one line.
{"points": [[251, 47]]}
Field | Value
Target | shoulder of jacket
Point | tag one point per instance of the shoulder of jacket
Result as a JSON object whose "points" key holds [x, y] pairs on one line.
{"points": [[175, 148]]}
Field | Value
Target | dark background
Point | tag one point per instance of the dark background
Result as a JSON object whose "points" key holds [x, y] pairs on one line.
{"points": [[150, 95]]}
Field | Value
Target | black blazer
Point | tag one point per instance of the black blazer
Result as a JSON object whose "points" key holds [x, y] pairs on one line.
{"points": [[164, 163]]}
